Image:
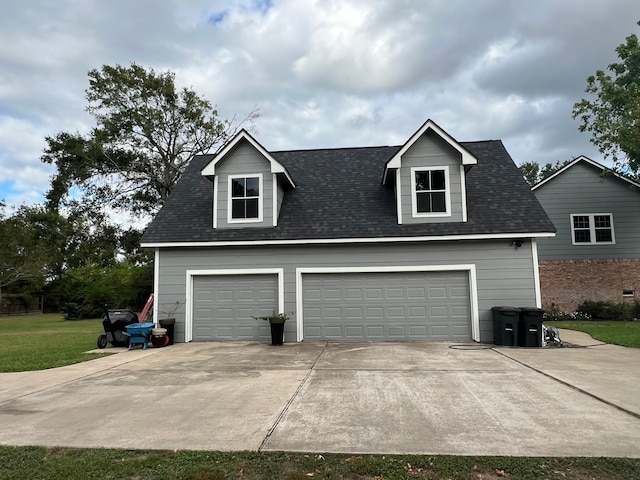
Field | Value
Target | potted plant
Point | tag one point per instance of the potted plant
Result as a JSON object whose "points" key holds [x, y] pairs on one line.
{"points": [[276, 321]]}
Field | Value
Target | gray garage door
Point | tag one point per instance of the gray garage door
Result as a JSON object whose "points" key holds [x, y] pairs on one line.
{"points": [[224, 304], [387, 306]]}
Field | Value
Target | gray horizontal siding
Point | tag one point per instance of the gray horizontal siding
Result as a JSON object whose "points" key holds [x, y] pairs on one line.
{"points": [[244, 160], [581, 189], [431, 151], [504, 274]]}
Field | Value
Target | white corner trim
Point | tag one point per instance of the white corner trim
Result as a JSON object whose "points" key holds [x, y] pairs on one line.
{"points": [[191, 274], [473, 287], [215, 201], [156, 283], [463, 192], [399, 196], [536, 272], [274, 203], [447, 192], [260, 218]]}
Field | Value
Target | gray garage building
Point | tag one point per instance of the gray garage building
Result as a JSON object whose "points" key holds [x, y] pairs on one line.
{"points": [[401, 243]]}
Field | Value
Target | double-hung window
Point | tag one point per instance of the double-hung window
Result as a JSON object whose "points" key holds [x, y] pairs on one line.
{"points": [[245, 198], [430, 191], [590, 228]]}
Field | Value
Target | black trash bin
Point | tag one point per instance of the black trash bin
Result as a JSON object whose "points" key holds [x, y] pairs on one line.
{"points": [[530, 328], [169, 324], [505, 325]]}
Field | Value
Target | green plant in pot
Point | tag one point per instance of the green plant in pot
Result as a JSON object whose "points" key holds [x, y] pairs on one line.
{"points": [[276, 321]]}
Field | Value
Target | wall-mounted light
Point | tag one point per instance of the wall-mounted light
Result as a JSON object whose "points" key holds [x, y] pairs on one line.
{"points": [[516, 243]]}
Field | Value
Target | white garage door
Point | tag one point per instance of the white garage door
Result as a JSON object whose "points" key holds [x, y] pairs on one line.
{"points": [[224, 304], [387, 306]]}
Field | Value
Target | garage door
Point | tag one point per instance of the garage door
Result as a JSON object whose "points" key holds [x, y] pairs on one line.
{"points": [[387, 306], [224, 304]]}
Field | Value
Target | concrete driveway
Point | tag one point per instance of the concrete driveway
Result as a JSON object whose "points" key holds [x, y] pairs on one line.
{"points": [[434, 398]]}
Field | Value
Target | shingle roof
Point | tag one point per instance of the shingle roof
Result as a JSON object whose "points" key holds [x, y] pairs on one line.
{"points": [[339, 195]]}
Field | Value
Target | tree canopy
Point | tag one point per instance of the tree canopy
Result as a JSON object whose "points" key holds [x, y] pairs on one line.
{"points": [[147, 130], [533, 174], [613, 116]]}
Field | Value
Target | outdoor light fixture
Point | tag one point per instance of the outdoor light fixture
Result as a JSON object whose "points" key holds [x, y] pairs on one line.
{"points": [[516, 243]]}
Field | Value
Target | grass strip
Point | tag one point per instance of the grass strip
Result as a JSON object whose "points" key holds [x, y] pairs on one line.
{"points": [[39, 342], [71, 464], [626, 334]]}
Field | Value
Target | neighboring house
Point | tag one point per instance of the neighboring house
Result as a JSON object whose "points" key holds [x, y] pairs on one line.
{"points": [[596, 252], [410, 242]]}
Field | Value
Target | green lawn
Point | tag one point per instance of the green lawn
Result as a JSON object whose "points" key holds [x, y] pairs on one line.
{"points": [[71, 464], [38, 342], [626, 334]]}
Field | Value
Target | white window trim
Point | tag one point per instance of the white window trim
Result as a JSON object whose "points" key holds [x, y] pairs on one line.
{"points": [[470, 268], [189, 299], [447, 193], [592, 229], [260, 199]]}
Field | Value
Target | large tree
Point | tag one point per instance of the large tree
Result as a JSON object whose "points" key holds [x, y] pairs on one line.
{"points": [[613, 116], [533, 174], [147, 129], [22, 256]]}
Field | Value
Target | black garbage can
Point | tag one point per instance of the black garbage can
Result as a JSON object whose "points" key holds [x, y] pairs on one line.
{"points": [[169, 324], [505, 325], [530, 328]]}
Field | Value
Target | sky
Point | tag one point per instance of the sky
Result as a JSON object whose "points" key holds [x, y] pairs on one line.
{"points": [[323, 73]]}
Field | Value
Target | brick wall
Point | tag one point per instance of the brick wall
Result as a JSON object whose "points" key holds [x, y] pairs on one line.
{"points": [[567, 283]]}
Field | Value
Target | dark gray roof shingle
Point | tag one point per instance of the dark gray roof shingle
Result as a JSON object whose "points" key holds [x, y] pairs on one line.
{"points": [[339, 195]]}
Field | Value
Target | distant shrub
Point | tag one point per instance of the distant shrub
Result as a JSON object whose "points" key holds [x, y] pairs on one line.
{"points": [[609, 310]]}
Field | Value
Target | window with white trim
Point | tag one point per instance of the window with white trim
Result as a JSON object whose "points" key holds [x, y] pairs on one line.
{"points": [[430, 191], [590, 228], [245, 198]]}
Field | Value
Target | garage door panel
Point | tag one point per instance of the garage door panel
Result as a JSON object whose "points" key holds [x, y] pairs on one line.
{"points": [[387, 306], [238, 298]]}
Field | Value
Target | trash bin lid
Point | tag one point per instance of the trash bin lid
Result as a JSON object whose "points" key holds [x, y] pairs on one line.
{"points": [[506, 309]]}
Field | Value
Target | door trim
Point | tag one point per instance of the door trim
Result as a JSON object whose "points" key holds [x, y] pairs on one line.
{"points": [[191, 274], [470, 268]]}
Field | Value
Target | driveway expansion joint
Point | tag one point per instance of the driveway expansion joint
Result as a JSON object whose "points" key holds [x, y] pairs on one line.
{"points": [[293, 397], [589, 394]]}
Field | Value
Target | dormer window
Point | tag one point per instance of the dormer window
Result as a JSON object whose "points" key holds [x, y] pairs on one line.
{"points": [[430, 192], [245, 198]]}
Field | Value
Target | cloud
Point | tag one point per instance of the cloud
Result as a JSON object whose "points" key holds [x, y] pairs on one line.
{"points": [[325, 73]]}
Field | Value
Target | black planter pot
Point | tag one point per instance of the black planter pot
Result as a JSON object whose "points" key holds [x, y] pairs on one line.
{"points": [[277, 333]]}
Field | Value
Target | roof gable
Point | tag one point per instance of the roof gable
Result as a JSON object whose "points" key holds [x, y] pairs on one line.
{"points": [[276, 167], [588, 161], [468, 158]]}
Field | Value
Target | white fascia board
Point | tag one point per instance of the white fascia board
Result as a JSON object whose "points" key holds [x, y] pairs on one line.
{"points": [[314, 241], [276, 167], [467, 157], [579, 159]]}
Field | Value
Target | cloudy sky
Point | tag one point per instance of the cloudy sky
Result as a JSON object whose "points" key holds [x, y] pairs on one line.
{"points": [[324, 73]]}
